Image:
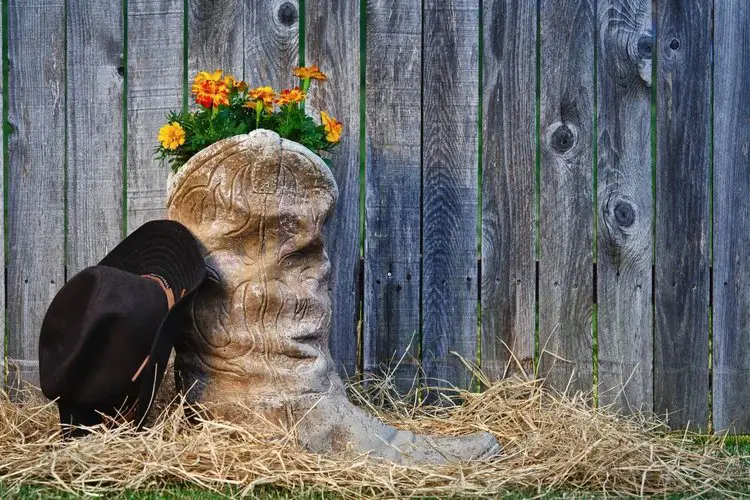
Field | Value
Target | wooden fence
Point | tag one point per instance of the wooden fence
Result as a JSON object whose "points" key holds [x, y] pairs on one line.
{"points": [[561, 183]]}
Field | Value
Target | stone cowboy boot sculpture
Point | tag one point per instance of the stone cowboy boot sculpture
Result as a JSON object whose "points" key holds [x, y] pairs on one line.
{"points": [[257, 334]]}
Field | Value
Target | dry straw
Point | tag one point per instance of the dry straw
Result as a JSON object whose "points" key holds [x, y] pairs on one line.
{"points": [[552, 442]]}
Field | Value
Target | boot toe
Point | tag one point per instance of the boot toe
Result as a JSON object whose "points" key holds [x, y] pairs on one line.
{"points": [[477, 446]]}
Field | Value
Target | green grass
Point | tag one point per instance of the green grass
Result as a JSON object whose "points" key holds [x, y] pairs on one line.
{"points": [[190, 492], [739, 445], [261, 493]]}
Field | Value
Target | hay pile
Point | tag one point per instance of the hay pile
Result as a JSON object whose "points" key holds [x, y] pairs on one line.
{"points": [[552, 442]]}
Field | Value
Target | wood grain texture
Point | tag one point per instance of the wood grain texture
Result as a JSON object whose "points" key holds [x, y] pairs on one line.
{"points": [[731, 344], [2, 228], [154, 76], [683, 79], [449, 170], [36, 177], [215, 37], [338, 58], [508, 268], [625, 206], [566, 204], [272, 43], [393, 271], [95, 76]]}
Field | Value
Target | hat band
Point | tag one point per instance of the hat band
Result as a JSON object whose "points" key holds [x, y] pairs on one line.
{"points": [[140, 369], [164, 286]]}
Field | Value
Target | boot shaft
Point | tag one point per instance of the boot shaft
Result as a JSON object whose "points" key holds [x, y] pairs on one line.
{"points": [[258, 204]]}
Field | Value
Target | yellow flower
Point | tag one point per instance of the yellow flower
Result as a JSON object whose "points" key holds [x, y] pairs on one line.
{"points": [[333, 127], [290, 96], [261, 94], [308, 72], [172, 135]]}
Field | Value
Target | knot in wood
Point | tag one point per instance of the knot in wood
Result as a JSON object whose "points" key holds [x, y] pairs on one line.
{"points": [[674, 44], [645, 46], [287, 13], [624, 214], [563, 139]]}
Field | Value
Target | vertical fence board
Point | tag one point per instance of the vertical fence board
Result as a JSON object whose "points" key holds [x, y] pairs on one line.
{"points": [[338, 57], [154, 73], [508, 269], [566, 204], [731, 344], [449, 170], [95, 130], [271, 37], [393, 179], [2, 229], [683, 92], [215, 37], [625, 206], [36, 176]]}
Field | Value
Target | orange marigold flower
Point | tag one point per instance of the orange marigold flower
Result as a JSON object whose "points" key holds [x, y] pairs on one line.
{"points": [[172, 135], [205, 76], [290, 96], [210, 89], [312, 72], [261, 94], [212, 94], [232, 83], [333, 127]]}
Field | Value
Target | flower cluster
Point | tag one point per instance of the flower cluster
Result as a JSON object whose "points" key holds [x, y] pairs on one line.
{"points": [[227, 107]]}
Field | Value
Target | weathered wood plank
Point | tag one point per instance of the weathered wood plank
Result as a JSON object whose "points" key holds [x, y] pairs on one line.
{"points": [[508, 161], [449, 171], [95, 76], [731, 345], [683, 92], [566, 204], [215, 36], [36, 176], [338, 57], [393, 271], [272, 42], [2, 230], [625, 206], [155, 81]]}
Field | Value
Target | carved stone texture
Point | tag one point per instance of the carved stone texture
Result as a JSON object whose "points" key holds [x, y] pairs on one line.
{"points": [[255, 339]]}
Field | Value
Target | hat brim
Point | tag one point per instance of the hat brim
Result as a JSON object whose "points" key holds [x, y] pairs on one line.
{"points": [[74, 419], [169, 249]]}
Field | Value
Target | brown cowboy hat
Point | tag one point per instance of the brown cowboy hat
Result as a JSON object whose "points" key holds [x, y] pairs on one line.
{"points": [[108, 333]]}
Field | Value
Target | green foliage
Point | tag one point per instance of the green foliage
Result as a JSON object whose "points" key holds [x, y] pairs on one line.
{"points": [[240, 113]]}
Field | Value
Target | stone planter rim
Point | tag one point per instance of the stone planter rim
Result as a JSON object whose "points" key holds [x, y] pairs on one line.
{"points": [[285, 145]]}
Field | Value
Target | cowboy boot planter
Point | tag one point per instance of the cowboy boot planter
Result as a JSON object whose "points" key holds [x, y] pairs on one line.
{"points": [[256, 338]]}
